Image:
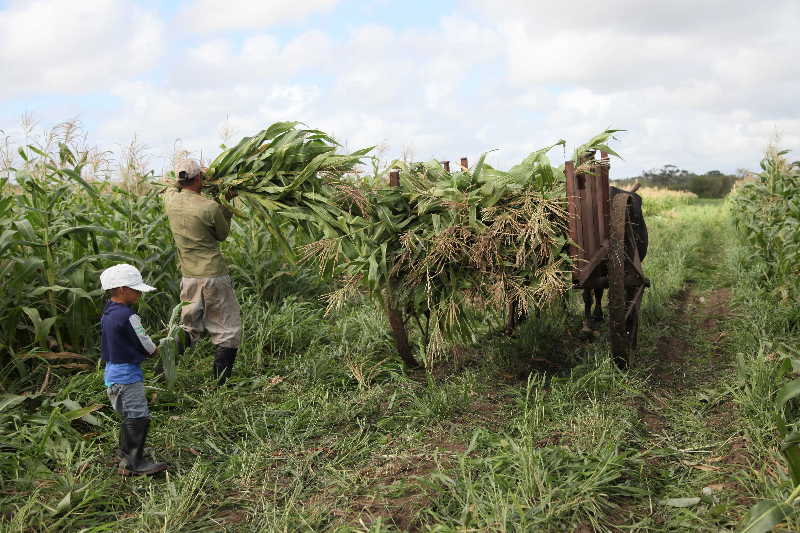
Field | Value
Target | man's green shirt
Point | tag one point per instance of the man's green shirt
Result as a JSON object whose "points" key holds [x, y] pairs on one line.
{"points": [[198, 225]]}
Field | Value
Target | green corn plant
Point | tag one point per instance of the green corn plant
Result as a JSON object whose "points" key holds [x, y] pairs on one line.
{"points": [[280, 173], [144, 235], [597, 143], [256, 267], [769, 513], [56, 239], [791, 438], [767, 213], [168, 346]]}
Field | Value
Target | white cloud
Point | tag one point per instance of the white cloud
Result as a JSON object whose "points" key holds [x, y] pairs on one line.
{"points": [[195, 119], [633, 43], [701, 85], [49, 46], [260, 58], [375, 85], [213, 15]]}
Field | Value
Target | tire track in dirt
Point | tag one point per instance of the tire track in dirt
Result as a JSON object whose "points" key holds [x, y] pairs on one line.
{"points": [[689, 434], [681, 368], [687, 360], [690, 353], [679, 365]]}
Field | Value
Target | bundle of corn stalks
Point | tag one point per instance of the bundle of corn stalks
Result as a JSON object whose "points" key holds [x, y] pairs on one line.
{"points": [[284, 172], [439, 249], [443, 248]]}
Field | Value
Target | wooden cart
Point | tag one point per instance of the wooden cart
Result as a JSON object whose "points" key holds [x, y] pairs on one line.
{"points": [[604, 250]]}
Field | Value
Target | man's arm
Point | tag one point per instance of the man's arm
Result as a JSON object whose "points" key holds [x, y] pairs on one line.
{"points": [[221, 222]]}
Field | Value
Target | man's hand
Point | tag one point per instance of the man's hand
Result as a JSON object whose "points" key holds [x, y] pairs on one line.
{"points": [[231, 194], [154, 354]]}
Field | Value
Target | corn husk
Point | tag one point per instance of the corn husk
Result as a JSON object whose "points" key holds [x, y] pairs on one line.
{"points": [[168, 347]]}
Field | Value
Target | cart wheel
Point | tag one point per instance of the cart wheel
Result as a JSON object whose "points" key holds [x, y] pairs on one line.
{"points": [[626, 282]]}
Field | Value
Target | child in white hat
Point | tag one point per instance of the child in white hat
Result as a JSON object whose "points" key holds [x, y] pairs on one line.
{"points": [[124, 346]]}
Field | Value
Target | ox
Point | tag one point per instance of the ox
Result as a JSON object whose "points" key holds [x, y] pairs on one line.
{"points": [[591, 319]]}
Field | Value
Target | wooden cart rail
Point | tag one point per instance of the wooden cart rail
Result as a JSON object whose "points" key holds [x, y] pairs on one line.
{"points": [[605, 249], [589, 215]]}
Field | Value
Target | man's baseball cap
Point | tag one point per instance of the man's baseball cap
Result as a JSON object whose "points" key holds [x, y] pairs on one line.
{"points": [[123, 275], [187, 169]]}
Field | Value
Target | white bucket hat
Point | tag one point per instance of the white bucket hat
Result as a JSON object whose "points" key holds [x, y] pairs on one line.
{"points": [[123, 275]]}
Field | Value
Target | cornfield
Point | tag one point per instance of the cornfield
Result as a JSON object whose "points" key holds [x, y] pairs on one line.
{"points": [[430, 252], [57, 232], [767, 212], [444, 257]]}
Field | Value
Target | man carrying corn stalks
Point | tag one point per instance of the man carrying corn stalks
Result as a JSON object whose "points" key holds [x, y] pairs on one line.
{"points": [[198, 226]]}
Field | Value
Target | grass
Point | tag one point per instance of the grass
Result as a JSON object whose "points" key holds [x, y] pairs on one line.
{"points": [[658, 201], [322, 430]]}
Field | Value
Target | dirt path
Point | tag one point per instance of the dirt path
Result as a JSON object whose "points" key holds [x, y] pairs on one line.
{"points": [[690, 439], [690, 352]]}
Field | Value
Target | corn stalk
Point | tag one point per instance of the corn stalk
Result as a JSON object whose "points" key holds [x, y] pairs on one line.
{"points": [[168, 347], [768, 215], [284, 174], [58, 231]]}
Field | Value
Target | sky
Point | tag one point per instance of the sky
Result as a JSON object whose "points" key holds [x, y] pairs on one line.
{"points": [[701, 84]]}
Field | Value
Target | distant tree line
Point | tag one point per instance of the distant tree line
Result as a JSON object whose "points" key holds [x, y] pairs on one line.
{"points": [[712, 184]]}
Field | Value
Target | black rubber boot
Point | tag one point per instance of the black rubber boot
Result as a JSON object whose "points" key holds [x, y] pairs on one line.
{"points": [[134, 463], [223, 363], [184, 341], [122, 450]]}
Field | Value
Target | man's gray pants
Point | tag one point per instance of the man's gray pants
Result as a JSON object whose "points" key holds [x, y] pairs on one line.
{"points": [[212, 309]]}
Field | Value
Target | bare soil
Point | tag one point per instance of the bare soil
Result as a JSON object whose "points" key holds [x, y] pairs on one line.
{"points": [[688, 362]]}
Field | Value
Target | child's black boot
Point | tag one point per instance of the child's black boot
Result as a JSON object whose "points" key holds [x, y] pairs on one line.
{"points": [[134, 463]]}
